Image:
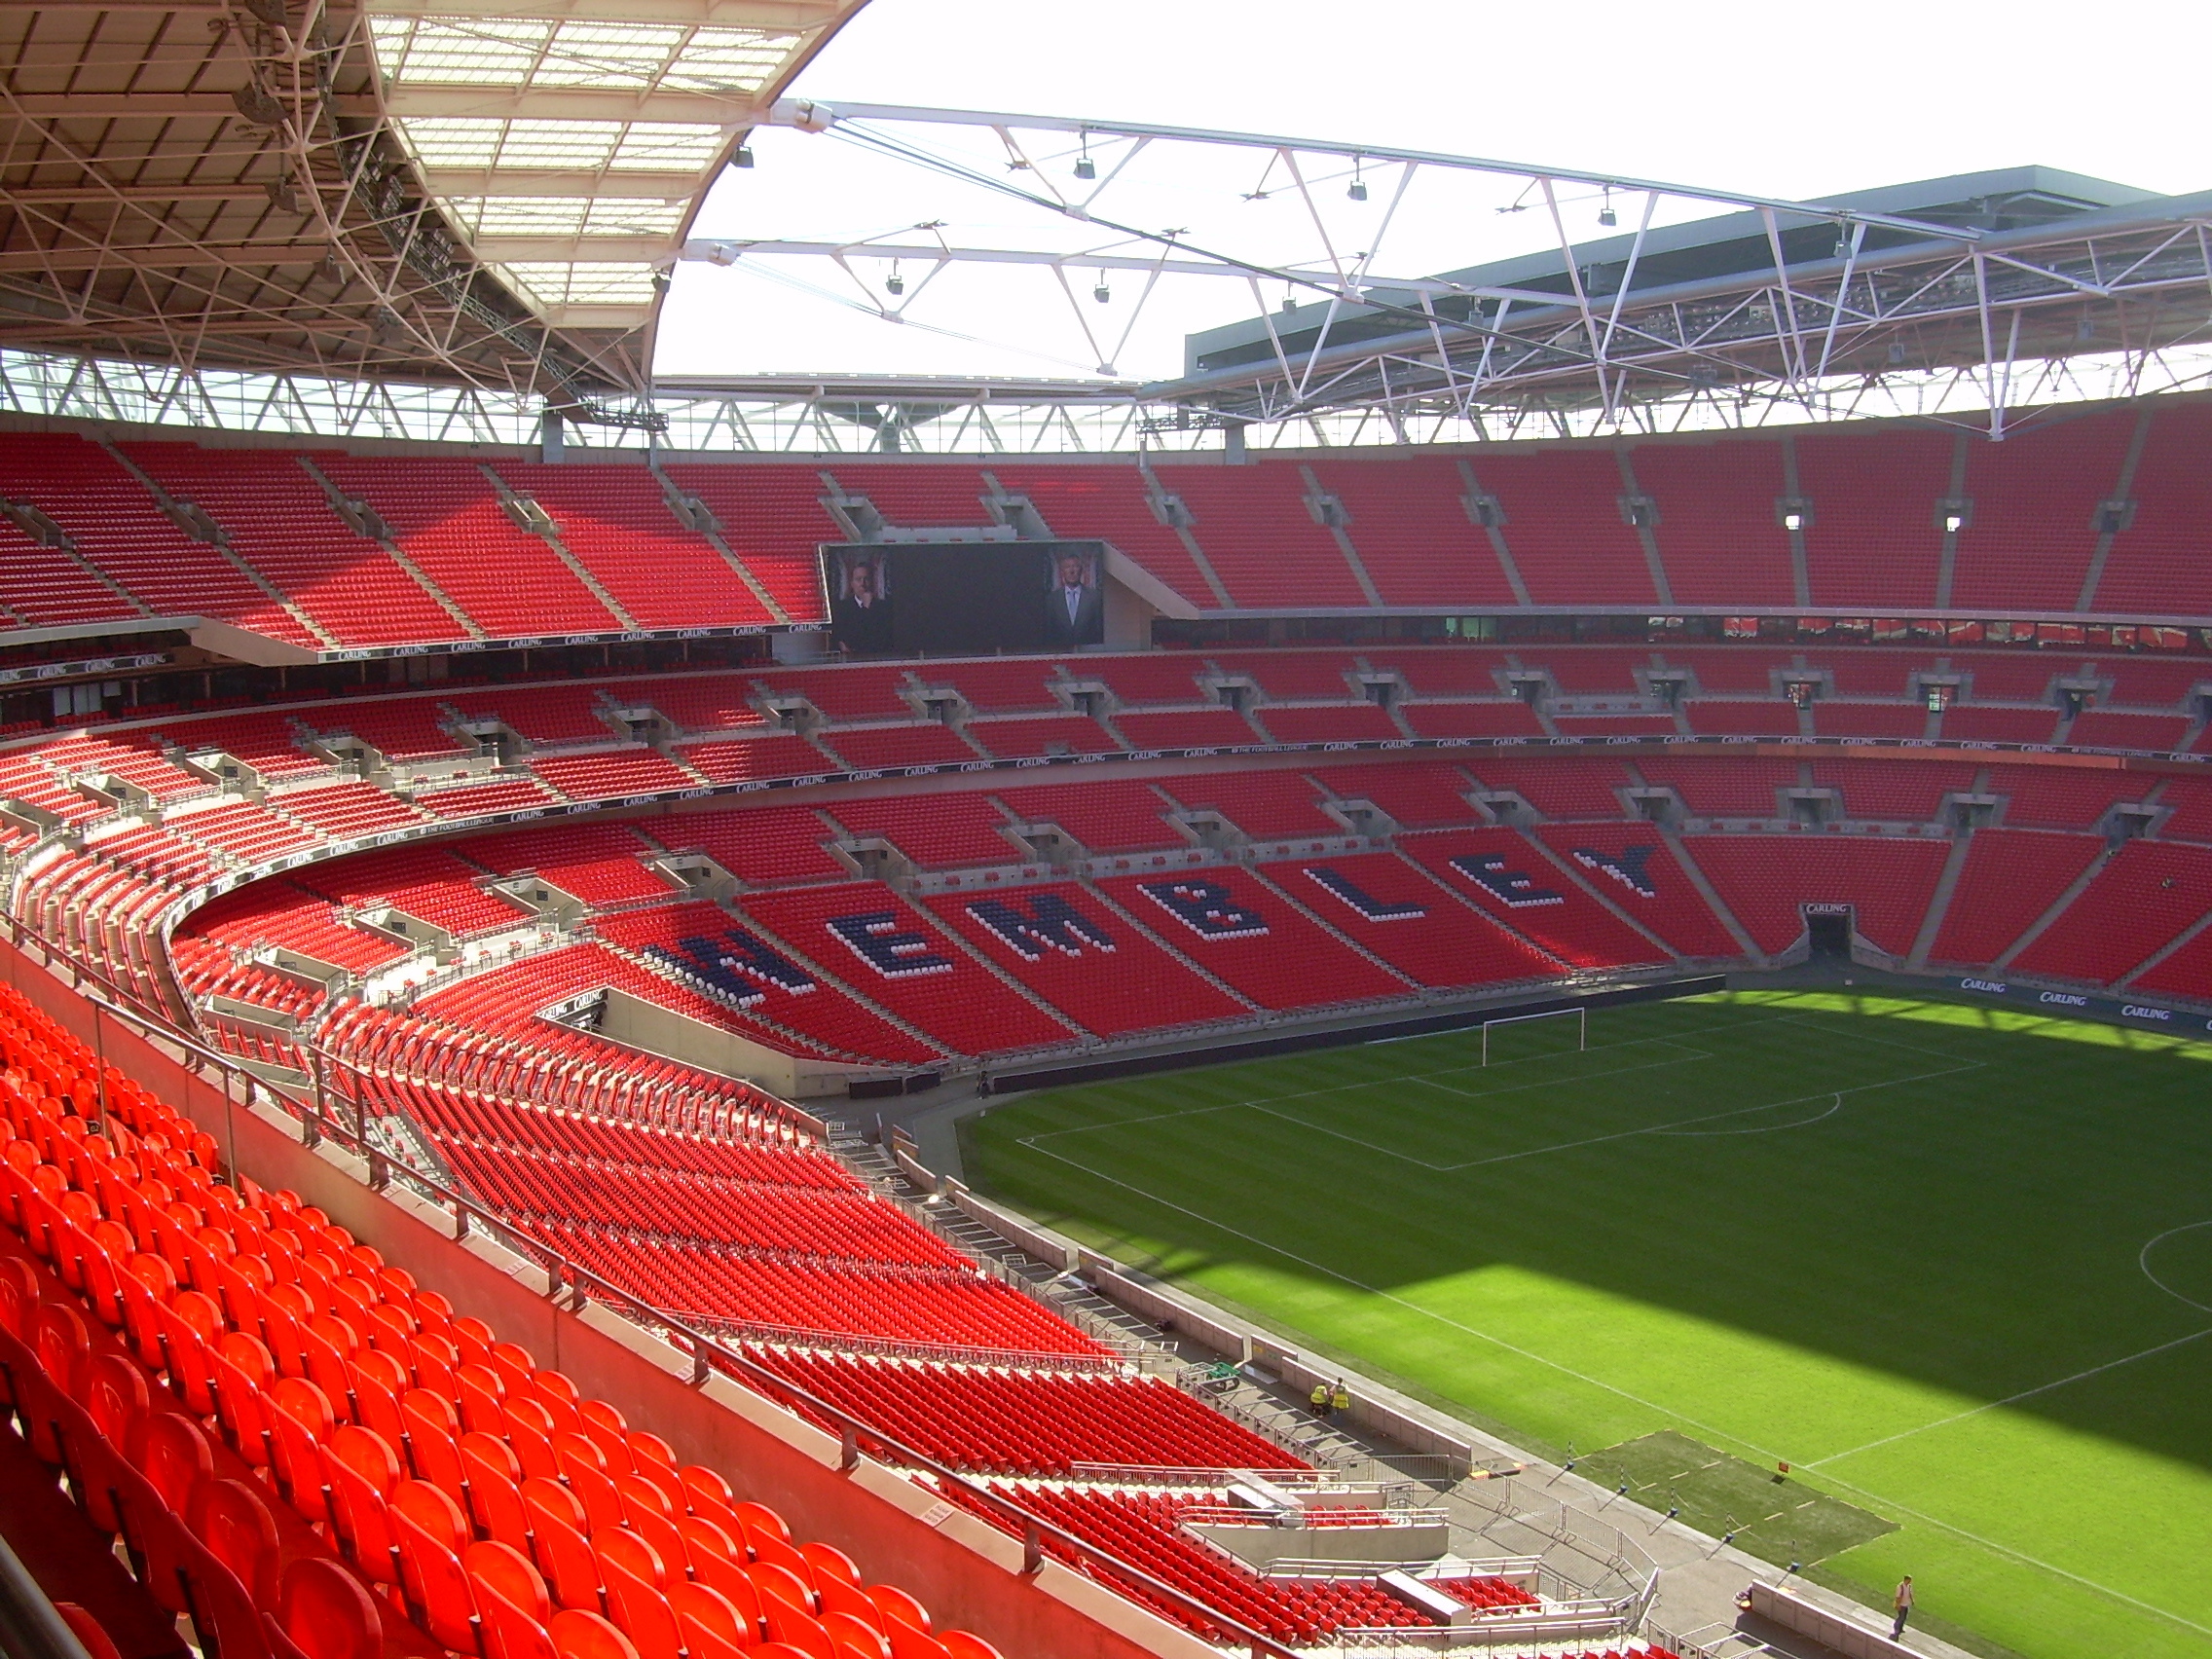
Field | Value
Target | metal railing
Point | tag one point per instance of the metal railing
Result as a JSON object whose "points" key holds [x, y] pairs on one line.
{"points": [[571, 1284]]}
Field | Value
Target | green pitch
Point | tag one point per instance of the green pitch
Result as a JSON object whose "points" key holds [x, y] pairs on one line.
{"points": [[1953, 1263]]}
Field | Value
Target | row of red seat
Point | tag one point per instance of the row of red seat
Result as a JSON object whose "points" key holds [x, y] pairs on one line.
{"points": [[1872, 500], [278, 1423], [1034, 1423]]}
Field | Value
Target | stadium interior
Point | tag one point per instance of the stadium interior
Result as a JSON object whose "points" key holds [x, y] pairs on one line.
{"points": [[483, 915]]}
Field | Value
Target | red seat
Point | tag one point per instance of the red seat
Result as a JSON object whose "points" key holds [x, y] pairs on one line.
{"points": [[327, 1614], [235, 1525], [578, 1635], [173, 1455]]}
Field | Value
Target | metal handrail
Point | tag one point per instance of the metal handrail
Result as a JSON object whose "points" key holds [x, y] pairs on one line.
{"points": [[708, 1356]]}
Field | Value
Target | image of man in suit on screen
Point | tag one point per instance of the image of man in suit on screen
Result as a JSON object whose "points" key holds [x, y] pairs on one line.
{"points": [[1075, 605], [859, 606]]}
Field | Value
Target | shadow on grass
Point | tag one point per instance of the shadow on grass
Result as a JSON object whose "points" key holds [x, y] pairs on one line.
{"points": [[1980, 1228]]}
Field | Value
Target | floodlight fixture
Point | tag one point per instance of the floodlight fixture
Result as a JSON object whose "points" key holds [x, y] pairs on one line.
{"points": [[1357, 189], [1103, 293], [1605, 214], [743, 158], [1084, 168], [894, 285]]}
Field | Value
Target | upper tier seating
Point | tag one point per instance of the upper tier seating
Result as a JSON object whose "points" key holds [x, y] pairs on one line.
{"points": [[1562, 524], [1874, 541], [284, 527], [1719, 534], [446, 516], [772, 518], [2157, 564], [1414, 535], [615, 523], [118, 529], [2034, 501], [1873, 546], [1109, 500], [1254, 527]]}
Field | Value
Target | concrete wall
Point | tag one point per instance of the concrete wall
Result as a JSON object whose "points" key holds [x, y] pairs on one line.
{"points": [[637, 1024], [898, 1529]]}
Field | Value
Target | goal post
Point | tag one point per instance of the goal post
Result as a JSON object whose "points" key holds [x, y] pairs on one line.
{"points": [[1580, 1016]]}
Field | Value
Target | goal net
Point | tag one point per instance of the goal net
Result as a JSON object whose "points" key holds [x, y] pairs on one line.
{"points": [[1531, 1036]]}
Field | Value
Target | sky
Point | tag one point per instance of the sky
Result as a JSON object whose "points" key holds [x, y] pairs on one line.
{"points": [[1790, 101]]}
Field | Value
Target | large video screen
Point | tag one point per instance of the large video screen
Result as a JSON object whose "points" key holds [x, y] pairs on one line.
{"points": [[943, 599]]}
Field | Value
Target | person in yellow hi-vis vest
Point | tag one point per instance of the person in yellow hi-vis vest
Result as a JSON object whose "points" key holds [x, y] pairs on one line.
{"points": [[1320, 1399], [1341, 1400]]}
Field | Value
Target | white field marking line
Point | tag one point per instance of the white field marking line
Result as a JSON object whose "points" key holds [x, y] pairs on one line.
{"points": [[1689, 1057], [2020, 1556], [1667, 1413], [1767, 1128], [1708, 1118], [1430, 1079], [1378, 1082], [2014, 1399], [2143, 1261]]}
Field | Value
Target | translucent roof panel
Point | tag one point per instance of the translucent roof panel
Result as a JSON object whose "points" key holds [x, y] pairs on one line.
{"points": [[585, 128], [478, 142], [565, 215], [583, 285], [539, 51]]}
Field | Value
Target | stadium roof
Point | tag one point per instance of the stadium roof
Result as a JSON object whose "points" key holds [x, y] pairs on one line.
{"points": [[479, 191]]}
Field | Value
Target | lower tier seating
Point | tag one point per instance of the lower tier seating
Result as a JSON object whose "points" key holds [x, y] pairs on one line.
{"points": [[1144, 1529], [1038, 1425], [307, 1453]]}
